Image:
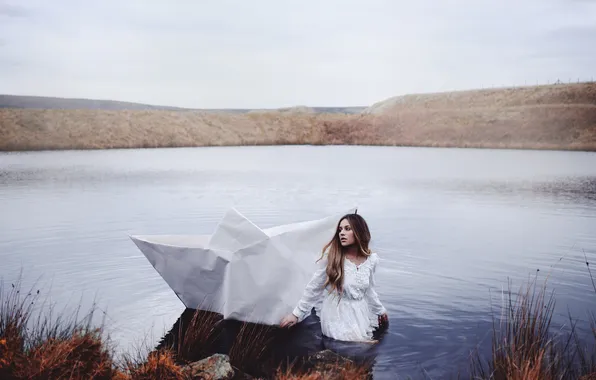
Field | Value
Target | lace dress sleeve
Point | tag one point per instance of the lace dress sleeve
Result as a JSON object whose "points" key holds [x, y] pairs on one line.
{"points": [[374, 303], [312, 292]]}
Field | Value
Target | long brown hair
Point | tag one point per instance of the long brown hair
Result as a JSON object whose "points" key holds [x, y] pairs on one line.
{"points": [[336, 258]]}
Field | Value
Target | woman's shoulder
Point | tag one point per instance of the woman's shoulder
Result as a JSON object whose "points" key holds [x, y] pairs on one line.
{"points": [[374, 258]]}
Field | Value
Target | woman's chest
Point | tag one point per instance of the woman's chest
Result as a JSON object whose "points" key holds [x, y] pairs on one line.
{"points": [[356, 277]]}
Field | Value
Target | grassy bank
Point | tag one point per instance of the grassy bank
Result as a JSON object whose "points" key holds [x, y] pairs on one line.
{"points": [[68, 346], [540, 117], [524, 346]]}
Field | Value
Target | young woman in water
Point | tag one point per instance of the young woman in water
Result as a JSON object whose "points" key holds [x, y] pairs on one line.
{"points": [[345, 283]]}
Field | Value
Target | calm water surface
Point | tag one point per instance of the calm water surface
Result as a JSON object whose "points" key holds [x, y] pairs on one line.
{"points": [[452, 226]]}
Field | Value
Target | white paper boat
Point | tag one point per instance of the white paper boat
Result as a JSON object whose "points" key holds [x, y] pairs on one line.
{"points": [[241, 271]]}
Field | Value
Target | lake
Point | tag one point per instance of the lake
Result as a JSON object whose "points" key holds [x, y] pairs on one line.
{"points": [[452, 227]]}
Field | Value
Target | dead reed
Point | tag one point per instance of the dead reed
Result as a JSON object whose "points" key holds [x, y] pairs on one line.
{"points": [[586, 353], [524, 345], [333, 371], [522, 340], [196, 342], [49, 348], [158, 365], [251, 349]]}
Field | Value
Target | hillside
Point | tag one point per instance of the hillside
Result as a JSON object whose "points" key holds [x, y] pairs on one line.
{"points": [[32, 129], [561, 94], [561, 116], [41, 102], [539, 117]]}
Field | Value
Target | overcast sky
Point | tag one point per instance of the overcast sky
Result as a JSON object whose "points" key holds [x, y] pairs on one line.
{"points": [[274, 53]]}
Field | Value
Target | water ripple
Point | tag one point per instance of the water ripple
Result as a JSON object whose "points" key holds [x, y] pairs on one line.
{"points": [[452, 227]]}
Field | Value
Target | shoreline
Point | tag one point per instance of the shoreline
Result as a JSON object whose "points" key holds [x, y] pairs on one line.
{"points": [[585, 148], [591, 149]]}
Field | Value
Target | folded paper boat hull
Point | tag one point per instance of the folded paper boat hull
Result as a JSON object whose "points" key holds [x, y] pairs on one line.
{"points": [[241, 271]]}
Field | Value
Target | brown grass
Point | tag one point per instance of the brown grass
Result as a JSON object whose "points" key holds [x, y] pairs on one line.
{"points": [[332, 372], [158, 365], [580, 93], [251, 348], [543, 127], [83, 355], [50, 348], [538, 117], [522, 342], [197, 341], [524, 346], [193, 336], [30, 129]]}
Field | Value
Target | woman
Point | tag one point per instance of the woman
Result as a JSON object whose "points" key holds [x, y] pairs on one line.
{"points": [[345, 280]]}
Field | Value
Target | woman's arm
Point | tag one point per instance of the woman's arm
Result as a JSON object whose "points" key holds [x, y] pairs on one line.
{"points": [[374, 303], [313, 291]]}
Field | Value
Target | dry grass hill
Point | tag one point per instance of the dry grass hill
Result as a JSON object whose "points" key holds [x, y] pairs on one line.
{"points": [[561, 116]]}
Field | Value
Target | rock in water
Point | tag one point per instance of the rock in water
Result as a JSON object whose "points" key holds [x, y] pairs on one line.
{"points": [[215, 367], [329, 365], [327, 359]]}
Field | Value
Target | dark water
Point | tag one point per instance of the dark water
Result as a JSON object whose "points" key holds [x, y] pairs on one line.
{"points": [[452, 226]]}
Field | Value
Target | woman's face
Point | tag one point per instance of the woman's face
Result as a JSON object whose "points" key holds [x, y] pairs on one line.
{"points": [[346, 234]]}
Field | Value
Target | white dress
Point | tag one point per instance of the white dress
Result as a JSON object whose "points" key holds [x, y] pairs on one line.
{"points": [[355, 316]]}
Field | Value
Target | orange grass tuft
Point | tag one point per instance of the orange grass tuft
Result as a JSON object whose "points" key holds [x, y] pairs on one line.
{"points": [[329, 372], [82, 356], [159, 365], [196, 341], [523, 347]]}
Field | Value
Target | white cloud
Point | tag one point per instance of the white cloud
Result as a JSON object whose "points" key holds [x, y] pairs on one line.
{"points": [[270, 53]]}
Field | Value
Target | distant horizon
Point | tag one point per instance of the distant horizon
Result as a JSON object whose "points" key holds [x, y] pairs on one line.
{"points": [[296, 105]]}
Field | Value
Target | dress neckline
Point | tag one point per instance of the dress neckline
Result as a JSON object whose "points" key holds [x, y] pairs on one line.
{"points": [[358, 265]]}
